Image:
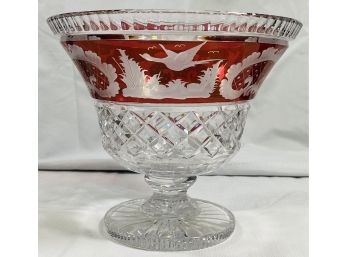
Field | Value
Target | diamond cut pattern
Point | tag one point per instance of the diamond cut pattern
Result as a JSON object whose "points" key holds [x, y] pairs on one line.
{"points": [[131, 121], [200, 135], [160, 123], [188, 134], [189, 123], [134, 146], [175, 135], [212, 147], [147, 134], [161, 146], [215, 121]]}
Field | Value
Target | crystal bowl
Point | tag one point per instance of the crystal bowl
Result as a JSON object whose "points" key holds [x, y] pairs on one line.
{"points": [[171, 91]]}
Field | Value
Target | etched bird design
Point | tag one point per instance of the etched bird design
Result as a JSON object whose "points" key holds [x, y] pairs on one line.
{"points": [[178, 61]]}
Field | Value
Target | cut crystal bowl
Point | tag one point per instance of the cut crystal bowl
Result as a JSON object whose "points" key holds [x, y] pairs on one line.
{"points": [[171, 91]]}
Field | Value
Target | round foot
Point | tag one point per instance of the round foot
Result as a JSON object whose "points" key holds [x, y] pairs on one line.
{"points": [[208, 224]]}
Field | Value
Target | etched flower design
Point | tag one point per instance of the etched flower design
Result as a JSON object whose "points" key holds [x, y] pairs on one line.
{"points": [[100, 77], [243, 78]]}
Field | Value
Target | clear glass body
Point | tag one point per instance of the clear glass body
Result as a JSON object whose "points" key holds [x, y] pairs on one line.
{"points": [[171, 91], [171, 141], [171, 145]]}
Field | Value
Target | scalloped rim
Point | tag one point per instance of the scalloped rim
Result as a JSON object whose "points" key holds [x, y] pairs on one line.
{"points": [[219, 23]]}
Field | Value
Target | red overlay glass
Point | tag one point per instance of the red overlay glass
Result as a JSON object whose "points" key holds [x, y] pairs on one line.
{"points": [[171, 62]]}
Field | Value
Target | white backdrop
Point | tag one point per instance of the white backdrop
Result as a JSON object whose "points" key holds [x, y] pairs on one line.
{"points": [[275, 141]]}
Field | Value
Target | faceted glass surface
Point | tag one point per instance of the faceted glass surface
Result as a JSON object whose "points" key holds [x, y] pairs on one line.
{"points": [[171, 141], [170, 144], [171, 91]]}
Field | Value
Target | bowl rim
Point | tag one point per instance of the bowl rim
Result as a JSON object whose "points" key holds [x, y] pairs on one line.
{"points": [[289, 28]]}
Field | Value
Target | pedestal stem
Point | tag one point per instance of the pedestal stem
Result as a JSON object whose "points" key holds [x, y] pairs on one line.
{"points": [[169, 197]]}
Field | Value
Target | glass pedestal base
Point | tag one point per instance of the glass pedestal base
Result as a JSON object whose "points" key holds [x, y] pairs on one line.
{"points": [[171, 145], [185, 224]]}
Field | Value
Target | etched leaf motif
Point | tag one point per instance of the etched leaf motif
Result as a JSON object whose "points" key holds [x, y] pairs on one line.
{"points": [[133, 74], [138, 83], [177, 83], [208, 79], [154, 80]]}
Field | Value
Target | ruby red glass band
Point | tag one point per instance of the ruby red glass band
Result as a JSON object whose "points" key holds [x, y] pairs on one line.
{"points": [[162, 71]]}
